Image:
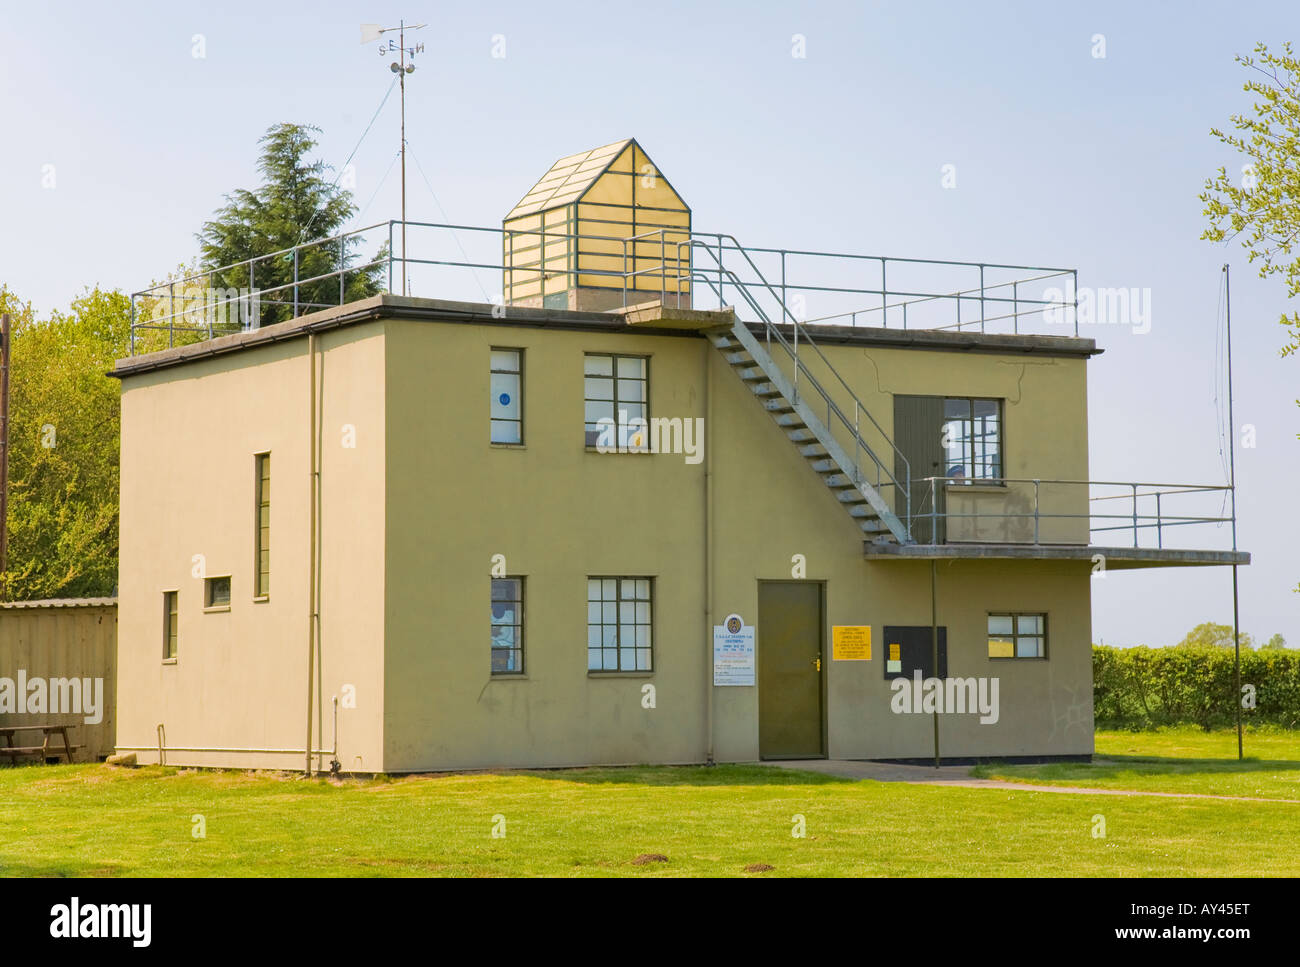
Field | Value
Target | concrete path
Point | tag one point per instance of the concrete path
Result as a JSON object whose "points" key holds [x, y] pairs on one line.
{"points": [[960, 776]]}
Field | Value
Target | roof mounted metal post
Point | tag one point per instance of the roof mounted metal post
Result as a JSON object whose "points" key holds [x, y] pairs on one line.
{"points": [[981, 298], [343, 272], [171, 314], [1015, 306], [1135, 515], [295, 282], [1075, 276], [132, 337], [884, 301], [1036, 482], [390, 256]]}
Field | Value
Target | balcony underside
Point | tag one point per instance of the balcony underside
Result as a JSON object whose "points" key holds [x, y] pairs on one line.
{"points": [[1116, 558]]}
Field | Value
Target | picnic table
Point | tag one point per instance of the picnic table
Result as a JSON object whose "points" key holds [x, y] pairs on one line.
{"points": [[43, 750]]}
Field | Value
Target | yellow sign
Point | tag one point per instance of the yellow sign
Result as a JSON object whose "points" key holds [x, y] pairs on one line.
{"points": [[894, 652], [851, 642], [1001, 649]]}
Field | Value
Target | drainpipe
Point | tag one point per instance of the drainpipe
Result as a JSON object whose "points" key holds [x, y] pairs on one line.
{"points": [[311, 557], [708, 550]]}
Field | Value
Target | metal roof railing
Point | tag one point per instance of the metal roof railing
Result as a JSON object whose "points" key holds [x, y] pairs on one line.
{"points": [[448, 261]]}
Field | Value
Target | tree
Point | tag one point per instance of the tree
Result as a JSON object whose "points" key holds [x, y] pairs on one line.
{"points": [[63, 447], [1276, 643], [1266, 204], [295, 204], [1208, 634]]}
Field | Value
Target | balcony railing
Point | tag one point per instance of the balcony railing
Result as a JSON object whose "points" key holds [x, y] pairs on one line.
{"points": [[1009, 510]]}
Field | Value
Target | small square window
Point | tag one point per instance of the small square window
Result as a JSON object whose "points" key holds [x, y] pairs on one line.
{"points": [[1013, 635], [216, 592]]}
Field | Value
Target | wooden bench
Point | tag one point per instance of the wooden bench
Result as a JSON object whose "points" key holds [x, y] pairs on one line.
{"points": [[43, 750]]}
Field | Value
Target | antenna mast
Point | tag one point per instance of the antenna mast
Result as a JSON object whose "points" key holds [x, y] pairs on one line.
{"points": [[400, 67]]}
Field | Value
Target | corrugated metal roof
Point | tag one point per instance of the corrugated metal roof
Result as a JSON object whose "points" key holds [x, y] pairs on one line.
{"points": [[62, 603], [568, 179]]}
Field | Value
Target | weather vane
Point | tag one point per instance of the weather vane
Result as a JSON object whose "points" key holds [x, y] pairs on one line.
{"points": [[369, 34]]}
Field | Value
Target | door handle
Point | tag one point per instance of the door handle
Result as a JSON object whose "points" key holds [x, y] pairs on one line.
{"points": [[818, 662]]}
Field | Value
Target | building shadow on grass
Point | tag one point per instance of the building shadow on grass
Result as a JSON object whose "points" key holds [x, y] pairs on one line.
{"points": [[719, 775]]}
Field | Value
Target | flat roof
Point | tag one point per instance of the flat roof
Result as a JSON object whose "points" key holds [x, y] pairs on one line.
{"points": [[60, 603], [644, 318]]}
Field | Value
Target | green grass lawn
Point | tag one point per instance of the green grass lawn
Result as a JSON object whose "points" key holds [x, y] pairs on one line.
{"points": [[94, 820], [1176, 760]]}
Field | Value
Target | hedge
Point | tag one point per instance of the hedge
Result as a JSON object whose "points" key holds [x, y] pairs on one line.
{"points": [[1146, 687]]}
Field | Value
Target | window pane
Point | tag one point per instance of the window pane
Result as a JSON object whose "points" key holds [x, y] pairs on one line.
{"points": [[593, 612], [1029, 624], [609, 589], [593, 589], [631, 391], [609, 613], [1029, 647], [505, 396], [594, 388], [505, 359], [598, 365], [506, 431], [593, 412], [643, 590], [999, 624], [505, 589], [956, 410], [631, 367], [643, 659]]}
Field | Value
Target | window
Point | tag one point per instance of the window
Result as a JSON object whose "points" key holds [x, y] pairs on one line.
{"points": [[972, 440], [216, 592], [1016, 635], [506, 384], [262, 533], [170, 625], [614, 402], [507, 626], [618, 624]]}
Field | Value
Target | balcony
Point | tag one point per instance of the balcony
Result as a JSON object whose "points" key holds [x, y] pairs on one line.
{"points": [[1118, 524]]}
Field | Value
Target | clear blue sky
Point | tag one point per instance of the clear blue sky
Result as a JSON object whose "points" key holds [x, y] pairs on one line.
{"points": [[1062, 159]]}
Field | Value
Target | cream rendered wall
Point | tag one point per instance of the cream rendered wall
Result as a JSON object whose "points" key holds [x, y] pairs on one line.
{"points": [[559, 513], [189, 435]]}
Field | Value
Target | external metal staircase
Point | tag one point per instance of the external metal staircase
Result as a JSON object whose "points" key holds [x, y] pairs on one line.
{"points": [[809, 433], [819, 427]]}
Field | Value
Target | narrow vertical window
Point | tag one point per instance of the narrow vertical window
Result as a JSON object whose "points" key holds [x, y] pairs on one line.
{"points": [[262, 562], [170, 625], [507, 626], [506, 384]]}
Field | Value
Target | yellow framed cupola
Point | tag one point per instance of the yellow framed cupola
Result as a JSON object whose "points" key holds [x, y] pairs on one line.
{"points": [[600, 230]]}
